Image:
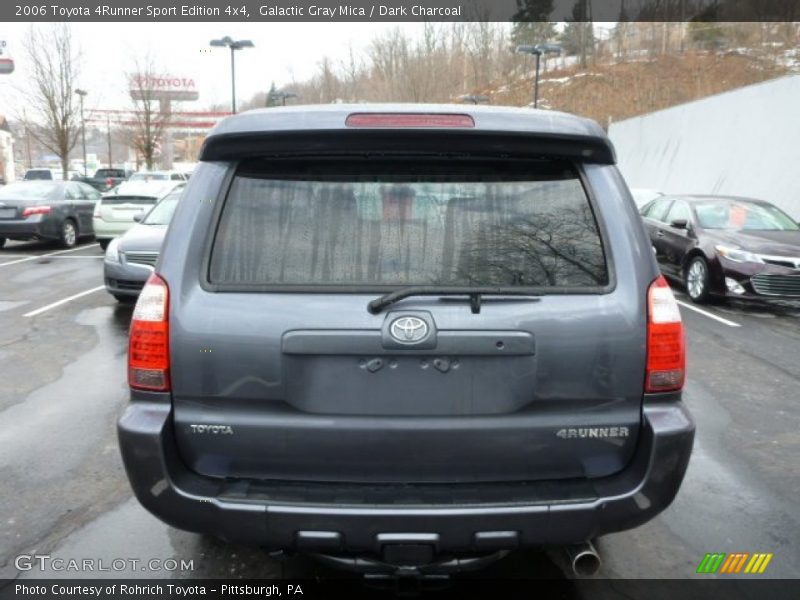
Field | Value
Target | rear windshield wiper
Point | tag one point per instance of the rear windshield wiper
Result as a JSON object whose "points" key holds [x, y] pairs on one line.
{"points": [[377, 305]]}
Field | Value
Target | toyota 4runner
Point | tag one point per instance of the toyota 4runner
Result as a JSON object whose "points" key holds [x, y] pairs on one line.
{"points": [[406, 335]]}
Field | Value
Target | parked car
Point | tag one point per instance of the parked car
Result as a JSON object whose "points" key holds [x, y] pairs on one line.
{"points": [[642, 196], [130, 259], [159, 176], [47, 210], [117, 209], [406, 334], [724, 246], [105, 179], [38, 174]]}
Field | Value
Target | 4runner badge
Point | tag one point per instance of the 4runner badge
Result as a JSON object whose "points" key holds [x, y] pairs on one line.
{"points": [[217, 429], [592, 432]]}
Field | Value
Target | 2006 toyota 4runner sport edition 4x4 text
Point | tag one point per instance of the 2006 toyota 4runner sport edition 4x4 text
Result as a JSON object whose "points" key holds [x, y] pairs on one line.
{"points": [[411, 335]]}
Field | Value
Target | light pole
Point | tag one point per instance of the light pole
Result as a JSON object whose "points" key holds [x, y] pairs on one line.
{"points": [[82, 94], [234, 45], [283, 95], [537, 51], [474, 99]]}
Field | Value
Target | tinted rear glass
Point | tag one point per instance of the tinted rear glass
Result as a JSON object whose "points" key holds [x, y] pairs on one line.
{"points": [[109, 173], [112, 200], [32, 175], [408, 223]]}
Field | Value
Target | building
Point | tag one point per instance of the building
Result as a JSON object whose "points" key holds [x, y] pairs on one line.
{"points": [[6, 152]]}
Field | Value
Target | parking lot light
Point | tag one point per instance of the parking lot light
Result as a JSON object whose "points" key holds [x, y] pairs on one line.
{"points": [[82, 94], [474, 99], [228, 42], [282, 95], [537, 51]]}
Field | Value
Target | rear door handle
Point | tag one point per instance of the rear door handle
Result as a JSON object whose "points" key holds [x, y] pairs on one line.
{"points": [[660, 233]]}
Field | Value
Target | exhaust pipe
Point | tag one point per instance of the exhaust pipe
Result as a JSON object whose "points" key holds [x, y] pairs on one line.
{"points": [[584, 559]]}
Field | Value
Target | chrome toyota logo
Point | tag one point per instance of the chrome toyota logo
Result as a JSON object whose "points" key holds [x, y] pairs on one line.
{"points": [[408, 329]]}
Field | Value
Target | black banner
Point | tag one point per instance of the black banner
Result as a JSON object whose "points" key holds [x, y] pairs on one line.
{"points": [[398, 10], [463, 588]]}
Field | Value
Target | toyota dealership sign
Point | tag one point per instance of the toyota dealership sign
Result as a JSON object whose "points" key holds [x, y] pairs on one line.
{"points": [[163, 87]]}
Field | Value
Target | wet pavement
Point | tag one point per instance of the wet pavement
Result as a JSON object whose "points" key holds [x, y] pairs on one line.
{"points": [[65, 493]]}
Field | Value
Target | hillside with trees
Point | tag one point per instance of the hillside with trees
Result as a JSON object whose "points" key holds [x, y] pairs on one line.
{"points": [[603, 73]]}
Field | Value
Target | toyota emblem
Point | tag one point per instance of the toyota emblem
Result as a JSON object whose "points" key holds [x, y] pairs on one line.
{"points": [[408, 330]]}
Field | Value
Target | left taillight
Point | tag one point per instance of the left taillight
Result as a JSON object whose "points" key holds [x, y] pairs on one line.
{"points": [[36, 210], [148, 345], [666, 351]]}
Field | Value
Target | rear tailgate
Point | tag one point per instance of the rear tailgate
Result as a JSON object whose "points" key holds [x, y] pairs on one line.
{"points": [[279, 371], [123, 208]]}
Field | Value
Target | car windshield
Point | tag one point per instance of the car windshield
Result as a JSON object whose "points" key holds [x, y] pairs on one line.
{"points": [[32, 190], [149, 177], [409, 224], [38, 174], [161, 214], [741, 215]]}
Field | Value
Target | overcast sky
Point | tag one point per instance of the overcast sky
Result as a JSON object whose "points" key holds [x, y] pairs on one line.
{"points": [[282, 50]]}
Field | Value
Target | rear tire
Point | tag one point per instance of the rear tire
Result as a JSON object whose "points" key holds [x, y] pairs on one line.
{"points": [[69, 233], [103, 244], [124, 299], [2, 242], [696, 279]]}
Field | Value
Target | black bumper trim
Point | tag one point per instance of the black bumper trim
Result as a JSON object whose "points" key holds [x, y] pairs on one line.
{"points": [[185, 500]]}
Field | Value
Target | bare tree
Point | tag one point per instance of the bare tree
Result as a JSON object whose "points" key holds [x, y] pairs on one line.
{"points": [[54, 108], [150, 117]]}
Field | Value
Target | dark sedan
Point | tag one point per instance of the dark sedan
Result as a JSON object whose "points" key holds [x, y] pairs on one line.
{"points": [[725, 246], [47, 210]]}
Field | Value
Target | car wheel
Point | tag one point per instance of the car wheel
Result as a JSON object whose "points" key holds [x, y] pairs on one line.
{"points": [[69, 233], [2, 242], [124, 299], [696, 280], [103, 244]]}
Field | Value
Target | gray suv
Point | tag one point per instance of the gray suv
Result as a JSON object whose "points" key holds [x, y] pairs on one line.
{"points": [[406, 336]]}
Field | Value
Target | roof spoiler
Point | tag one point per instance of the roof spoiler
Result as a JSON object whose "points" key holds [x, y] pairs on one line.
{"points": [[451, 142]]}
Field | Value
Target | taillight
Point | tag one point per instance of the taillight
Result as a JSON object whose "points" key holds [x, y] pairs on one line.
{"points": [[408, 120], [36, 210], [148, 346], [109, 182], [666, 351]]}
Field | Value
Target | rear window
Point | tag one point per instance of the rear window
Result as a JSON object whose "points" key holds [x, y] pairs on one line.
{"points": [[112, 200], [374, 224], [39, 174], [109, 173]]}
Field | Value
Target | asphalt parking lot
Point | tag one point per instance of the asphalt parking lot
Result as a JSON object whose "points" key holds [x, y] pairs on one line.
{"points": [[64, 493]]}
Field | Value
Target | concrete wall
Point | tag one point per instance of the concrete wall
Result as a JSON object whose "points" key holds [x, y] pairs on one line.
{"points": [[745, 142]]}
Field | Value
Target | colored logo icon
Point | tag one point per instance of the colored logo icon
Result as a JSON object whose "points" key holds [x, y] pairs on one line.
{"points": [[736, 562]]}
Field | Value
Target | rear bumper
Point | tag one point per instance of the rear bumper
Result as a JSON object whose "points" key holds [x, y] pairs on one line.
{"points": [[28, 229], [366, 520], [107, 230]]}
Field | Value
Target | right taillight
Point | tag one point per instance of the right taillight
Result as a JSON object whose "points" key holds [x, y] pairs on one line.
{"points": [[148, 345], [666, 350]]}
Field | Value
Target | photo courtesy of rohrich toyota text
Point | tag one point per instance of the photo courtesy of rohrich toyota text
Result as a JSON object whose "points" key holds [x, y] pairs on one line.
{"points": [[391, 298]]}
